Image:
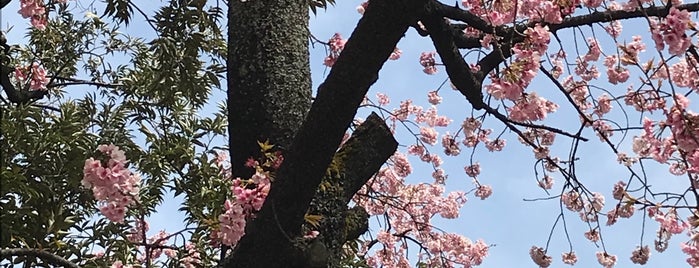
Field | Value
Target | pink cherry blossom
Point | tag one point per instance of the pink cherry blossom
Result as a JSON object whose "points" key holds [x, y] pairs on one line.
{"points": [[594, 52], [401, 165], [232, 223], [592, 235], [592, 3], [427, 60], [604, 105], [531, 108], [470, 125], [671, 223], [539, 257], [546, 182], [619, 190], [631, 50], [616, 74], [605, 259], [119, 264], [585, 71], [336, 44], [572, 201], [451, 146], [692, 250], [672, 30], [395, 55], [383, 99], [473, 170], [434, 98], [38, 80], [31, 8], [113, 186], [159, 239], [614, 28], [502, 89], [135, 235], [311, 234], [483, 191], [570, 258], [439, 176], [612, 217], [428, 135], [495, 145], [417, 150], [541, 152], [597, 202], [640, 255]]}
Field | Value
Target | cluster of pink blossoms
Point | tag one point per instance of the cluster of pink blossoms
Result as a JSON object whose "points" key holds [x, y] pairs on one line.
{"points": [[336, 44], [428, 62], [35, 10], [683, 73], [35, 74], [692, 250], [113, 185], [671, 31], [681, 143], [410, 209], [512, 81], [606, 260], [539, 257], [246, 202], [506, 11]]}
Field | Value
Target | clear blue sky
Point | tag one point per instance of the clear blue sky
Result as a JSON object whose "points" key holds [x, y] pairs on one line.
{"points": [[504, 219]]}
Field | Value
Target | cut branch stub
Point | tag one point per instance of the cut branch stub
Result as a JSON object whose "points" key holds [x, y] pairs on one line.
{"points": [[371, 144]]}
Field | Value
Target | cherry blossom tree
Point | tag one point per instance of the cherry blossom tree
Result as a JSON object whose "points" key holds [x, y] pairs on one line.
{"points": [[299, 176]]}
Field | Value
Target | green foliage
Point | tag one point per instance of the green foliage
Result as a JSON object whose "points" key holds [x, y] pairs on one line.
{"points": [[120, 10], [145, 94], [314, 4], [42, 155]]}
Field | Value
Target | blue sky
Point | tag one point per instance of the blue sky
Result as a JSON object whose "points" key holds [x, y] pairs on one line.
{"points": [[505, 220]]}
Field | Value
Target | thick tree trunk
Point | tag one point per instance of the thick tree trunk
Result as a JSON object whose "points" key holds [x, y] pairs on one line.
{"points": [[269, 82]]}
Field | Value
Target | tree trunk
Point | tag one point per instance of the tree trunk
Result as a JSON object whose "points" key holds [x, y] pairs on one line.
{"points": [[269, 81]]}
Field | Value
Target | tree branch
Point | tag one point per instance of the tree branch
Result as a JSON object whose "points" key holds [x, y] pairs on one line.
{"points": [[74, 81], [8, 253], [458, 70], [456, 13], [607, 16]]}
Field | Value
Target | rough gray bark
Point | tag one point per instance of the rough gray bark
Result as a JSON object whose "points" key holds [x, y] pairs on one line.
{"points": [[269, 84]]}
